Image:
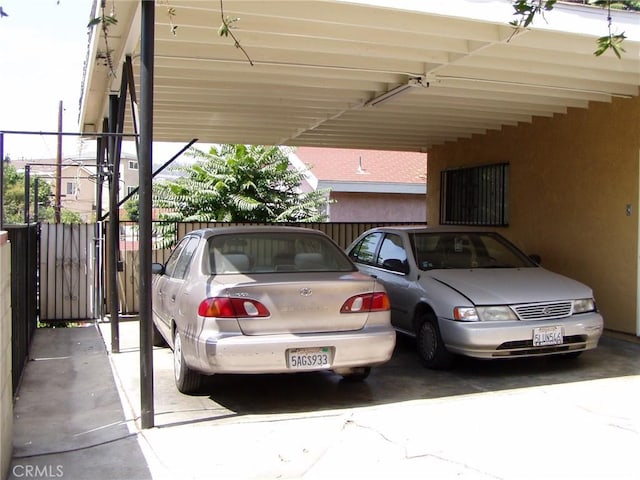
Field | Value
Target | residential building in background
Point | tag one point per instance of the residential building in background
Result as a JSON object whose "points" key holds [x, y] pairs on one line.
{"points": [[79, 181], [367, 185]]}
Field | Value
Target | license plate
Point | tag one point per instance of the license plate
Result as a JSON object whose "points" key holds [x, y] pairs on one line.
{"points": [[547, 336], [309, 358]]}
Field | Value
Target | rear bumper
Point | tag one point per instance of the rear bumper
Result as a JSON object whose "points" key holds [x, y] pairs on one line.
{"points": [[268, 353], [515, 339]]}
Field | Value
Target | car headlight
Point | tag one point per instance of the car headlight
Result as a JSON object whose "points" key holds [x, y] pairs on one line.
{"points": [[496, 314], [483, 314], [584, 305]]}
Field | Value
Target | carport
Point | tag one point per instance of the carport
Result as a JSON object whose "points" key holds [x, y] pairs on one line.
{"points": [[448, 78]]}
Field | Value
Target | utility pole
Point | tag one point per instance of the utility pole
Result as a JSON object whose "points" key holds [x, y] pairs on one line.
{"points": [[58, 206]]}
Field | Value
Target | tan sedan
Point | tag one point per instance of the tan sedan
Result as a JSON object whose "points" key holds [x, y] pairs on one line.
{"points": [[267, 300]]}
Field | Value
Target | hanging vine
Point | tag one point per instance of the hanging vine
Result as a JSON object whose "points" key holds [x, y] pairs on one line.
{"points": [[105, 21], [611, 41], [527, 10], [171, 13], [225, 31]]}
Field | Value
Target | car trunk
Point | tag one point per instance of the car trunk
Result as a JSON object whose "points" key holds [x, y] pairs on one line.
{"points": [[304, 303]]}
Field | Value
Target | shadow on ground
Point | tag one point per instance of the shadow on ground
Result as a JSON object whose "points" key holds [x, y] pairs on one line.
{"points": [[403, 378]]}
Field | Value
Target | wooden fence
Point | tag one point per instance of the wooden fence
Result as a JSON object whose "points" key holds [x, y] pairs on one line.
{"points": [[342, 233]]}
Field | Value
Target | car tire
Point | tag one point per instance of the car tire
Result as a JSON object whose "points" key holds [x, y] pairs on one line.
{"points": [[431, 347], [156, 337], [357, 374], [187, 381]]}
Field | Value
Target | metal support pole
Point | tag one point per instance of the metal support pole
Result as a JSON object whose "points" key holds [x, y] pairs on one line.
{"points": [[113, 243], [165, 165], [58, 205], [145, 185], [36, 203], [27, 192], [98, 232]]}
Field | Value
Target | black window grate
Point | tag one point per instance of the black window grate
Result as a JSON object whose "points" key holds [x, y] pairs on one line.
{"points": [[475, 195]]}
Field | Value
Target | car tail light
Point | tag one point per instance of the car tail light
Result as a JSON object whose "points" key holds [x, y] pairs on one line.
{"points": [[367, 302], [225, 307]]}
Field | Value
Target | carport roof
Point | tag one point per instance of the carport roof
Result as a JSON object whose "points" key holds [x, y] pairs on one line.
{"points": [[318, 64]]}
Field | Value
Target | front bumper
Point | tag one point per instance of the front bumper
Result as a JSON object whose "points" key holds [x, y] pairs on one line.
{"points": [[239, 353], [515, 338]]}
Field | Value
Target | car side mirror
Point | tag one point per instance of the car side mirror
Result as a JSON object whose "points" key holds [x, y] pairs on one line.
{"points": [[536, 258], [157, 268], [395, 265]]}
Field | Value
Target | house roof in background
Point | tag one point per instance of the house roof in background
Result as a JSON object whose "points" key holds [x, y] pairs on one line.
{"points": [[356, 165]]}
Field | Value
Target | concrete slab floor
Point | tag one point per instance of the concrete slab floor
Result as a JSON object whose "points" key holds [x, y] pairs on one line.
{"points": [[525, 418]]}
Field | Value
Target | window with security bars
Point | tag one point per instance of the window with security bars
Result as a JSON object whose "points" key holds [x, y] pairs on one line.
{"points": [[475, 195]]}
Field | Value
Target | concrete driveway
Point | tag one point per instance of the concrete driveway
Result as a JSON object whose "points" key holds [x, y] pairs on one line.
{"points": [[526, 418], [502, 419]]}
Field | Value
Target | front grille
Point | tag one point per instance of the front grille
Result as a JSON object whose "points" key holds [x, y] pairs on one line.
{"points": [[543, 311]]}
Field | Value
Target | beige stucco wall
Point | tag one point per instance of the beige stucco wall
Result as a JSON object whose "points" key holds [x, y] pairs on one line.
{"points": [[571, 179], [6, 389], [378, 207]]}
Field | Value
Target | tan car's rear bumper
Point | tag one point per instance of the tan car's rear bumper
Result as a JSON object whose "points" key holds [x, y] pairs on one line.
{"points": [[268, 353]]}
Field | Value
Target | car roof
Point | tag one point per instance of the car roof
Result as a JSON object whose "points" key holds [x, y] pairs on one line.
{"points": [[432, 229], [207, 232]]}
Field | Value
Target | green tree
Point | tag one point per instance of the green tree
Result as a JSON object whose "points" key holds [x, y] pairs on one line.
{"points": [[132, 207], [240, 183], [69, 216], [14, 196], [14, 199]]}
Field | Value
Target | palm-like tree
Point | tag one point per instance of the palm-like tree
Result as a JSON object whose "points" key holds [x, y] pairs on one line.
{"points": [[240, 183]]}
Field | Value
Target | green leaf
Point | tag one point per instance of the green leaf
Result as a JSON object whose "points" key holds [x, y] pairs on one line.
{"points": [[610, 42], [107, 20], [239, 183]]}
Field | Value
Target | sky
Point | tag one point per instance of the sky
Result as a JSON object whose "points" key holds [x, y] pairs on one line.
{"points": [[43, 45]]}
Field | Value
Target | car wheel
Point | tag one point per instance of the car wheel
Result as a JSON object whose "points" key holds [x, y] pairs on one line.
{"points": [[356, 374], [187, 380], [156, 337], [431, 347]]}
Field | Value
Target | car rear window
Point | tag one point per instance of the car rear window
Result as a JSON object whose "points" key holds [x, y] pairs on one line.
{"points": [[275, 252]]}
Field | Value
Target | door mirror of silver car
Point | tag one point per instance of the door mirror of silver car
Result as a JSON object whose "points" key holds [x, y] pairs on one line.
{"points": [[157, 268]]}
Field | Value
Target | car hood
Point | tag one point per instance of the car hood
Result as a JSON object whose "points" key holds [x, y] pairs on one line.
{"points": [[499, 286]]}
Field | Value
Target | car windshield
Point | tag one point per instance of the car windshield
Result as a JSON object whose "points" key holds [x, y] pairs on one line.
{"points": [[269, 252], [466, 250]]}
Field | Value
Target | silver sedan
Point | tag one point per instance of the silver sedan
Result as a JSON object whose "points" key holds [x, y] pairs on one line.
{"points": [[473, 293], [267, 300]]}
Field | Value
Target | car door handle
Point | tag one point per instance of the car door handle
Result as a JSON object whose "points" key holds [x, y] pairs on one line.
{"points": [[173, 298]]}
